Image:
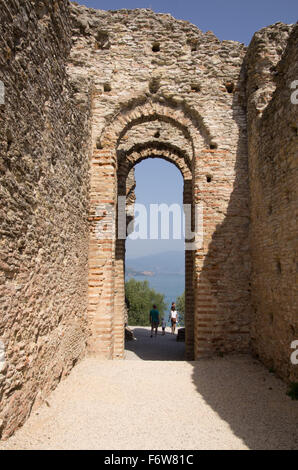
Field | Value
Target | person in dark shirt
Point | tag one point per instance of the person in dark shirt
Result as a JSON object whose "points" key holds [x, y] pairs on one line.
{"points": [[154, 319]]}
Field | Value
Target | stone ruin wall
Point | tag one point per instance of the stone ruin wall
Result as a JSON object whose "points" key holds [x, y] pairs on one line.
{"points": [[91, 98], [163, 88], [272, 65], [44, 193]]}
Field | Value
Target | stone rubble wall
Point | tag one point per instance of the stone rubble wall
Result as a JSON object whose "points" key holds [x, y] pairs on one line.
{"points": [[44, 191], [91, 93], [272, 65], [163, 88], [191, 68]]}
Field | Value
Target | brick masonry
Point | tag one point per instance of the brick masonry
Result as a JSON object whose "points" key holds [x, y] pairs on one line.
{"points": [[93, 93], [273, 152]]}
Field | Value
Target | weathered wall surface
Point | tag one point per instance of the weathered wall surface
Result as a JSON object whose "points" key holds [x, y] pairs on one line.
{"points": [[162, 88], [272, 65], [91, 93], [43, 208]]}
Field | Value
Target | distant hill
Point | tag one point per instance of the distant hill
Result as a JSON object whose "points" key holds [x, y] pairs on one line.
{"points": [[169, 262]]}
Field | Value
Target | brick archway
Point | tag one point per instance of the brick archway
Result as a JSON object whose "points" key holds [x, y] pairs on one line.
{"points": [[215, 319], [126, 163], [107, 256]]}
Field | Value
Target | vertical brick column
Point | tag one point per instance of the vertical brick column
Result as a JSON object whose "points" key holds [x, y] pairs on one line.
{"points": [[205, 309], [189, 293], [205, 271], [221, 271], [119, 301], [103, 193], [119, 305]]}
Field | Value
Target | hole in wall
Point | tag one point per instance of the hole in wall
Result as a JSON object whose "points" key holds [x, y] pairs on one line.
{"points": [[21, 247], [154, 85], [271, 317], [230, 87], [157, 135], [99, 144], [213, 145], [208, 178], [102, 41], [278, 267], [193, 44], [195, 87], [107, 87], [156, 47]]}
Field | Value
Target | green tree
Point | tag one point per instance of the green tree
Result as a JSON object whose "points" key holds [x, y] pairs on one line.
{"points": [[180, 306], [140, 298]]}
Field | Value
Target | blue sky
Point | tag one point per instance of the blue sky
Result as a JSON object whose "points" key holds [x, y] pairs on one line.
{"points": [[228, 19], [159, 181]]}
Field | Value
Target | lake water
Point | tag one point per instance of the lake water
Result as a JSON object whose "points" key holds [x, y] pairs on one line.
{"points": [[171, 285]]}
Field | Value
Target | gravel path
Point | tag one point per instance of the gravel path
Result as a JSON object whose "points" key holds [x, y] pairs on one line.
{"points": [[223, 403]]}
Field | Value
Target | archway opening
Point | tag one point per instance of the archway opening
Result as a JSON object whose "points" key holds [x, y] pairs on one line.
{"points": [[155, 259], [151, 130]]}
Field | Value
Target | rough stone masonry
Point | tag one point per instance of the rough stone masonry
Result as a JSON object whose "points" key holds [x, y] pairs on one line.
{"points": [[88, 95]]}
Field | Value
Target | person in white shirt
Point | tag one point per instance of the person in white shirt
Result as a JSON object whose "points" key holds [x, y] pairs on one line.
{"points": [[173, 318]]}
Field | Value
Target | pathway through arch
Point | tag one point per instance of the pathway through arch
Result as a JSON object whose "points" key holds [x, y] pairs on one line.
{"points": [[157, 348], [221, 403]]}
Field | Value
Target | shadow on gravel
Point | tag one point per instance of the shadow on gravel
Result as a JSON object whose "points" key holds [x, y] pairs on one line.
{"points": [[251, 400], [160, 348], [239, 390]]}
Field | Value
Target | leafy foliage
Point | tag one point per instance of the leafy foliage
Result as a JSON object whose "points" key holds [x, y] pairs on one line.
{"points": [[140, 299], [180, 306]]}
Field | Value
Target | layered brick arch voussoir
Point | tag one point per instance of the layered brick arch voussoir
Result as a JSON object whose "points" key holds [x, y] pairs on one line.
{"points": [[136, 154], [188, 121]]}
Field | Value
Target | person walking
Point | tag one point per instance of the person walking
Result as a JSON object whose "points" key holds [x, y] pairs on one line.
{"points": [[173, 317], [154, 319]]}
